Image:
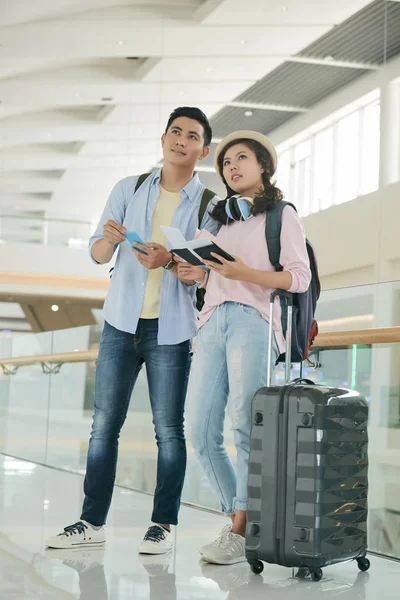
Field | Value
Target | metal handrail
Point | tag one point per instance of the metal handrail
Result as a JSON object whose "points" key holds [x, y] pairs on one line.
{"points": [[45, 219], [51, 363], [368, 337]]}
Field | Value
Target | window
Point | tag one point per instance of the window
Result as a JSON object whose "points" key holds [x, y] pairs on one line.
{"points": [[370, 146], [283, 173], [322, 175], [336, 163], [347, 150], [301, 172]]}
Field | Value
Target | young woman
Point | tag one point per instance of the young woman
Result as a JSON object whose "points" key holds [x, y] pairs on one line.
{"points": [[231, 348]]}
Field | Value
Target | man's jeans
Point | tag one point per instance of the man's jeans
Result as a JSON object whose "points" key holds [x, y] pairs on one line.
{"points": [[121, 357]]}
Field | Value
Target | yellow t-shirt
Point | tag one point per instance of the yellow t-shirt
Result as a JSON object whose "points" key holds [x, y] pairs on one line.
{"points": [[163, 214]]}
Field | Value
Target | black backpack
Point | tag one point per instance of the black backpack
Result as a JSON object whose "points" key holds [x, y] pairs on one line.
{"points": [[305, 327]]}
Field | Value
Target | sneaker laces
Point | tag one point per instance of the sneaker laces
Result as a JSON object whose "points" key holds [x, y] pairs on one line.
{"points": [[226, 541], [155, 534], [78, 527], [225, 534]]}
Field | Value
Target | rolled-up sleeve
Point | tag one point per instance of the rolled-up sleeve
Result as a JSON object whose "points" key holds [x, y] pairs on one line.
{"points": [[294, 256], [114, 210]]}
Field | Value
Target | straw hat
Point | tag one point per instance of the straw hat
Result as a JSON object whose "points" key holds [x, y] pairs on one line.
{"points": [[248, 135]]}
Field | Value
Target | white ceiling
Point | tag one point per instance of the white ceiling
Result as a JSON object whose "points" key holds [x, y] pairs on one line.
{"points": [[63, 145]]}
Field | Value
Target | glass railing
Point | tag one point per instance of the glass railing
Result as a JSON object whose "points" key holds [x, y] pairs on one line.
{"points": [[23, 229], [47, 398]]}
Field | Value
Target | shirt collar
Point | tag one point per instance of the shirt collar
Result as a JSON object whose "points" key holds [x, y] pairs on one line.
{"points": [[190, 189]]}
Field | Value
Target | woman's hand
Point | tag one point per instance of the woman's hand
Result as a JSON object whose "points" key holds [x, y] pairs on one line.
{"points": [[189, 273], [236, 270]]}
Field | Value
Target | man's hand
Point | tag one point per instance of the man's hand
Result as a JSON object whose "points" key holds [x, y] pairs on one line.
{"points": [[103, 249], [114, 233], [236, 270], [156, 255], [188, 273]]}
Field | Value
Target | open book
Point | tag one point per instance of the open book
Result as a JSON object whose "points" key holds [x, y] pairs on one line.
{"points": [[194, 251]]}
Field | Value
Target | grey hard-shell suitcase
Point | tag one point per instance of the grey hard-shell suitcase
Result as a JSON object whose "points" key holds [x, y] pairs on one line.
{"points": [[308, 473]]}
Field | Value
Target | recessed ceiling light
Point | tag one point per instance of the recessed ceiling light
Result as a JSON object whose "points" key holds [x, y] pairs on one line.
{"points": [[243, 42], [55, 308], [209, 69], [285, 8], [248, 113], [121, 43]]}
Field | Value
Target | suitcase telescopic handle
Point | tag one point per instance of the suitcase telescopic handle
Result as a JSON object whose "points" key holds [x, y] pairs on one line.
{"points": [[288, 356], [282, 294], [303, 380]]}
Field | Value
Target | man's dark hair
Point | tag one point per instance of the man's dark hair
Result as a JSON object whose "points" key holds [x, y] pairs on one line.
{"points": [[192, 112]]}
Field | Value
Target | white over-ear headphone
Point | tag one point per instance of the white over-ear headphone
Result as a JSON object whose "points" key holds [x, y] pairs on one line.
{"points": [[238, 207]]}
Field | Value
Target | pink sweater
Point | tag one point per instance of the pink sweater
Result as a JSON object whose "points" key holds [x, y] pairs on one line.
{"points": [[246, 239]]}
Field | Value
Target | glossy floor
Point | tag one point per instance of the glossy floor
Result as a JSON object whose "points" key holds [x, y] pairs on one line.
{"points": [[38, 501]]}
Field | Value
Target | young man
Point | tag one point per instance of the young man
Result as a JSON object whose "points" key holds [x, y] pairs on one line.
{"points": [[150, 318]]}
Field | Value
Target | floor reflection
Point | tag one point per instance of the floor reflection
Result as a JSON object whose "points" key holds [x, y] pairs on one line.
{"points": [[35, 501], [88, 564]]}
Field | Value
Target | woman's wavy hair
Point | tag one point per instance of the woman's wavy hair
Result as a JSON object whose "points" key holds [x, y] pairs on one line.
{"points": [[269, 194]]}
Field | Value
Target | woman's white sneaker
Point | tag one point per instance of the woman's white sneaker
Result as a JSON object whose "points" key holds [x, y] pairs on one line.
{"points": [[79, 534], [156, 541], [216, 543], [230, 550]]}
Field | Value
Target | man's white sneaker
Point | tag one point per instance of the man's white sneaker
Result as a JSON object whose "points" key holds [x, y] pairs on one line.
{"points": [[224, 532], [230, 550], [156, 541], [79, 534]]}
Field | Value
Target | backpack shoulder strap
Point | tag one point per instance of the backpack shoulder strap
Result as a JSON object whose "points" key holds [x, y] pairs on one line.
{"points": [[207, 196], [142, 179], [273, 226]]}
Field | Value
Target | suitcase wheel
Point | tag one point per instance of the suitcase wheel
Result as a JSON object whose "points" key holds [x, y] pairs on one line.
{"points": [[316, 574], [257, 567], [363, 563]]}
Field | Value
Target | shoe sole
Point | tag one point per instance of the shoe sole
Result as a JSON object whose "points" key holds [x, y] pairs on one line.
{"points": [[154, 552], [83, 545], [233, 561]]}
